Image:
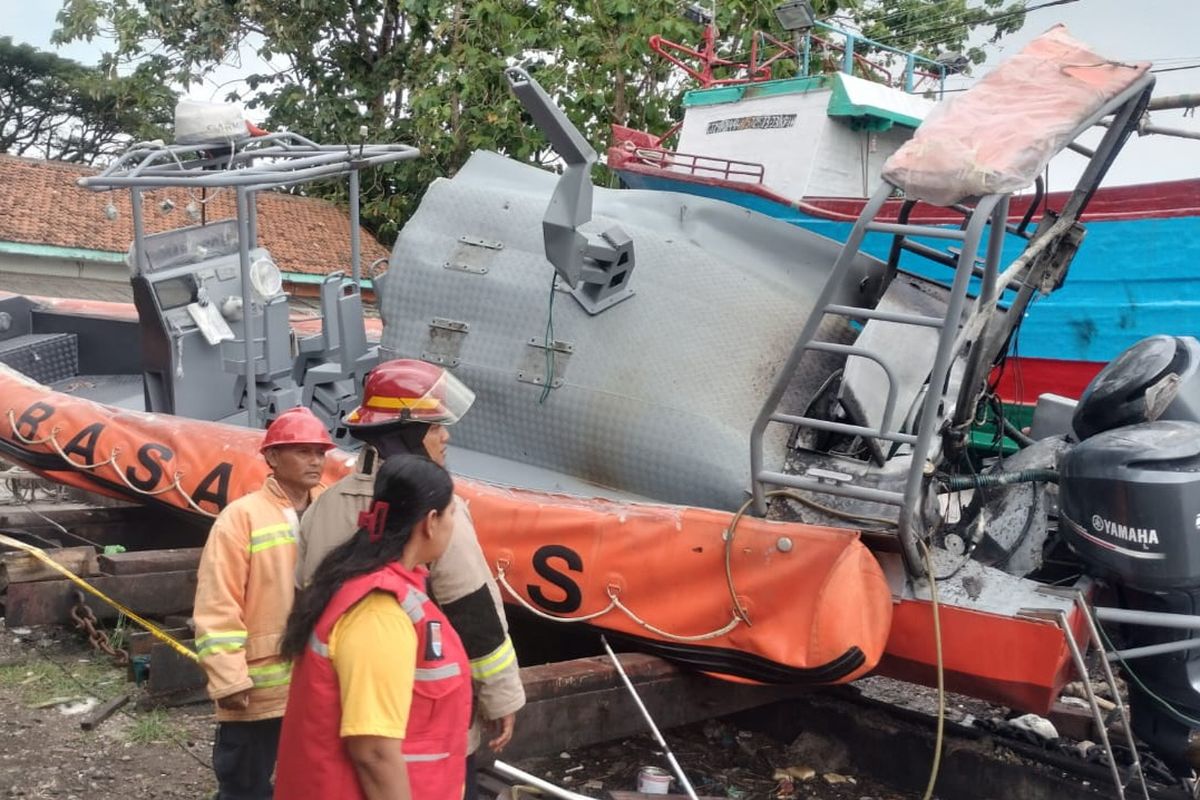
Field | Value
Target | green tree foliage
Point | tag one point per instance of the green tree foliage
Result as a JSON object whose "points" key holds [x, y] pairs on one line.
{"points": [[430, 72], [56, 108]]}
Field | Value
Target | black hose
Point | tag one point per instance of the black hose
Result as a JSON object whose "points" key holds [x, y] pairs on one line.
{"points": [[956, 483], [1016, 434]]}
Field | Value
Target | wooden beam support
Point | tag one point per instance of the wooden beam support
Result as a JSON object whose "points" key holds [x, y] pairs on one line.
{"points": [[50, 602], [141, 561], [582, 702], [98, 715], [34, 515], [142, 642], [171, 673], [21, 567]]}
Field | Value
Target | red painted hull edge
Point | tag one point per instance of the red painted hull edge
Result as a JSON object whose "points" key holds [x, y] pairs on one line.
{"points": [[1023, 380], [1020, 663]]}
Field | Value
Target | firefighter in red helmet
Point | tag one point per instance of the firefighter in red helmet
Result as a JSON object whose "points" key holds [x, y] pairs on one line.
{"points": [[407, 407], [244, 594]]}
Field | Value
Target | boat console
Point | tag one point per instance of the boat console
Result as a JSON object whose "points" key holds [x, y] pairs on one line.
{"points": [[213, 320]]}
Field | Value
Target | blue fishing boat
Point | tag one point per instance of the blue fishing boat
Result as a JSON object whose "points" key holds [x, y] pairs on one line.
{"points": [[808, 149]]}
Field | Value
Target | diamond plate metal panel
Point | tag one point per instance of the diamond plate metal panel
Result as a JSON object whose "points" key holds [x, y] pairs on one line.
{"points": [[662, 389], [45, 357]]}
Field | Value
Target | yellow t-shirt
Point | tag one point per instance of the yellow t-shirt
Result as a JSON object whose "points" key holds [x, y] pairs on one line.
{"points": [[374, 652]]}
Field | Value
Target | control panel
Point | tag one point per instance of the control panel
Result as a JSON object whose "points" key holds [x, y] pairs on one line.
{"points": [[188, 291]]}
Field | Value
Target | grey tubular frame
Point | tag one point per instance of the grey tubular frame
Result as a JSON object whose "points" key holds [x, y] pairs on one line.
{"points": [[267, 162], [981, 327]]}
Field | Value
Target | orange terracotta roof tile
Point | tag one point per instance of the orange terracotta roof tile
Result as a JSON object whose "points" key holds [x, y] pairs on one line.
{"points": [[41, 204]]}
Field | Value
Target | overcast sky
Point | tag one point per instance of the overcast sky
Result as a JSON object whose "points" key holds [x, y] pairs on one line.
{"points": [[1163, 31]]}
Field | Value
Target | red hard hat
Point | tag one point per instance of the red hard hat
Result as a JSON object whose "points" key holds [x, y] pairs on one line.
{"points": [[408, 390], [296, 426]]}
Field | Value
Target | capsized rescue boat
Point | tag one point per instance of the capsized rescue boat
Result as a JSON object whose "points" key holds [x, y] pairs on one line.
{"points": [[797, 603], [665, 354]]}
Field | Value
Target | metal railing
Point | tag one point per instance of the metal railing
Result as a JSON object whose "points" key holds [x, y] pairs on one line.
{"points": [[693, 164], [851, 56]]}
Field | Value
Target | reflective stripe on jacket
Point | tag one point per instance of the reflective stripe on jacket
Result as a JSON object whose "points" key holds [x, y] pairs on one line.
{"points": [[460, 581], [312, 759], [244, 591]]}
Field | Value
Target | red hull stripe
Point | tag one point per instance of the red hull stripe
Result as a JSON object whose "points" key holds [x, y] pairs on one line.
{"points": [[1024, 379]]}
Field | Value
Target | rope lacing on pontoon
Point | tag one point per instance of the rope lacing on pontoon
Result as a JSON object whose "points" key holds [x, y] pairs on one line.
{"points": [[111, 461], [614, 603]]}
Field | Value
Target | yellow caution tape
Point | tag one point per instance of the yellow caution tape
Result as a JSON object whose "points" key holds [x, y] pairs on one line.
{"points": [[154, 630]]}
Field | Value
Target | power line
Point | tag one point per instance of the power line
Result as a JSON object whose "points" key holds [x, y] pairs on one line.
{"points": [[1176, 69], [985, 20]]}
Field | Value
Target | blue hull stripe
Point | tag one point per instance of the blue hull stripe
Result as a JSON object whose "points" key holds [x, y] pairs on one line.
{"points": [[1131, 278]]}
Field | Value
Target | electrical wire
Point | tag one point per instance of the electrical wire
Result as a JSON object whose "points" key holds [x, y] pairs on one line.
{"points": [[1177, 69], [1170, 709], [925, 31], [549, 343], [941, 673]]}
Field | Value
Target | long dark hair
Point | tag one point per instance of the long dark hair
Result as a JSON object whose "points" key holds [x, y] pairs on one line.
{"points": [[412, 486]]}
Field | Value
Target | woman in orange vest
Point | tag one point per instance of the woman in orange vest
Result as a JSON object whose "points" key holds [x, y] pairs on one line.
{"points": [[380, 697]]}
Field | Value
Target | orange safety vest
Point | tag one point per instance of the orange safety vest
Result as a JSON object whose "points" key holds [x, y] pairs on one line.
{"points": [[312, 758]]}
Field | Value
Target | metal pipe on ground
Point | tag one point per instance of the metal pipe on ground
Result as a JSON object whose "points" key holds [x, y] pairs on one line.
{"points": [[678, 770], [532, 780]]}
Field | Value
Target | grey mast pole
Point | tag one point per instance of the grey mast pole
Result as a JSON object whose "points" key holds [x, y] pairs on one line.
{"points": [[355, 244], [139, 232], [243, 215]]}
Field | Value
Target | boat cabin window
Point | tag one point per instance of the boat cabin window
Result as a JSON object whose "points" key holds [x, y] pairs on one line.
{"points": [[175, 292]]}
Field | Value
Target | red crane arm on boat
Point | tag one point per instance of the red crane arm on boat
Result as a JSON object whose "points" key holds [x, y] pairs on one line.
{"points": [[756, 67]]}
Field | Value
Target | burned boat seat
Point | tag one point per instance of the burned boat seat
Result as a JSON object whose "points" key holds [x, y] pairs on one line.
{"points": [[326, 342], [975, 145]]}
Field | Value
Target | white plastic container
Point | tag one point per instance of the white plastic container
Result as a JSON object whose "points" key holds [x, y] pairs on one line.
{"points": [[197, 122], [652, 780]]}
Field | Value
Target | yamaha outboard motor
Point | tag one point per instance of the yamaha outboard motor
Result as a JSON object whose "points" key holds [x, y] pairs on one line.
{"points": [[1130, 507]]}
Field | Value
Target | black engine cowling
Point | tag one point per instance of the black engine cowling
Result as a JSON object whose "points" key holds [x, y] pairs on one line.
{"points": [[1157, 378], [1129, 494]]}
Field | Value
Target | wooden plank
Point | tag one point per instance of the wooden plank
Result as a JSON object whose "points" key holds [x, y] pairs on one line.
{"points": [[142, 642], [33, 515], [141, 561], [171, 673], [583, 702], [50, 602], [21, 567], [98, 715]]}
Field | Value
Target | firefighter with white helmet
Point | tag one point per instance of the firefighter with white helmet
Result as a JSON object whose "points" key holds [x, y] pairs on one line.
{"points": [[407, 406], [244, 593]]}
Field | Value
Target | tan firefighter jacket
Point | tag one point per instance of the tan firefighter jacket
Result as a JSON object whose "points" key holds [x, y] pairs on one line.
{"points": [[244, 592], [460, 582]]}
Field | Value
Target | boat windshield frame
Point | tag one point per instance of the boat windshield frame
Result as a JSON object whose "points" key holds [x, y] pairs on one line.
{"points": [[246, 165]]}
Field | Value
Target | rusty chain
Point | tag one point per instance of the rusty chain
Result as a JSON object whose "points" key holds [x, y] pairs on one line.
{"points": [[85, 620]]}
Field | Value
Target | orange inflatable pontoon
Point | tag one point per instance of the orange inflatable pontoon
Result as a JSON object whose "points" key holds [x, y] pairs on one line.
{"points": [[779, 603]]}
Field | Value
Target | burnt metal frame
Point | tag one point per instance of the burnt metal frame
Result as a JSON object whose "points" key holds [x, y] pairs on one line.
{"points": [[1078, 596], [986, 326], [273, 161]]}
